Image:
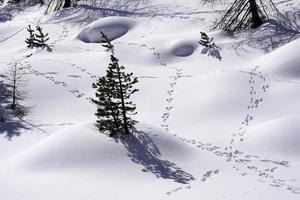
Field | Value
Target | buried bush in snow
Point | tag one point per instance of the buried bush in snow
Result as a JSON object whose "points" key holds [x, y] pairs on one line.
{"points": [[206, 41], [214, 51], [210, 48]]}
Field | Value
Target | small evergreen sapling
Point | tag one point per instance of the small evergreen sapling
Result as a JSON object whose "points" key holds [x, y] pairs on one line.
{"points": [[112, 97], [38, 39], [41, 38], [31, 40]]}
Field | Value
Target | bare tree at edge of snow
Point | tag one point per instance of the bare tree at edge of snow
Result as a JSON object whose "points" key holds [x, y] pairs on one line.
{"points": [[16, 94], [245, 14]]}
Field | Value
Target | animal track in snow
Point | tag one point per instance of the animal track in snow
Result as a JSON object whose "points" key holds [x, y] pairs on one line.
{"points": [[257, 84], [73, 65], [77, 93], [169, 100], [74, 76], [207, 175], [64, 33], [35, 72], [88, 50], [244, 164], [152, 49]]}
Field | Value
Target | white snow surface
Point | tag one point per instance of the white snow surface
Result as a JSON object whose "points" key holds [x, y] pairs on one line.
{"points": [[221, 124], [284, 62]]}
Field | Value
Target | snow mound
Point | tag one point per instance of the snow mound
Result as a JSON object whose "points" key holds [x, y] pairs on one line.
{"points": [[83, 147], [284, 62], [221, 36], [183, 49], [279, 137], [113, 27]]}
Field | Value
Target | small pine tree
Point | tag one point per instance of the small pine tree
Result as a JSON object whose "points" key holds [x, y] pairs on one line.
{"points": [[41, 38], [106, 43], [112, 97], [31, 40], [107, 109], [206, 41]]}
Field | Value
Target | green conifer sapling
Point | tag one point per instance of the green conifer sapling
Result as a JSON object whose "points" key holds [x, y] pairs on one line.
{"points": [[113, 96]]}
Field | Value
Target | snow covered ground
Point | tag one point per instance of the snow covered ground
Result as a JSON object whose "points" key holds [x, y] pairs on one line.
{"points": [[209, 127]]}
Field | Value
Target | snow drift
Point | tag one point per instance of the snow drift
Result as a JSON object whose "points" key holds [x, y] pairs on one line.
{"points": [[113, 27], [284, 62], [278, 137], [83, 146], [227, 124]]}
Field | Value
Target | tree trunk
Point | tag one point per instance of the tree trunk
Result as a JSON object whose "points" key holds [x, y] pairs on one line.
{"points": [[14, 93], [125, 126], [114, 116], [67, 4], [257, 21]]}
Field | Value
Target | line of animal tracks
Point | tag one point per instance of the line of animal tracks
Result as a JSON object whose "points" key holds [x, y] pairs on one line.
{"points": [[265, 170], [244, 164]]}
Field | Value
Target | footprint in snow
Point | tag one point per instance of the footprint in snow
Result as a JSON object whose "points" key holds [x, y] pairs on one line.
{"points": [[74, 76]]}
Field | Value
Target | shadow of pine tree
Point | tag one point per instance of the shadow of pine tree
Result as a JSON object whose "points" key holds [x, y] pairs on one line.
{"points": [[143, 151]]}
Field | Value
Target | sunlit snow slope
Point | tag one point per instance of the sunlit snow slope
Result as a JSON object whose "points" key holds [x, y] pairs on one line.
{"points": [[211, 126]]}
